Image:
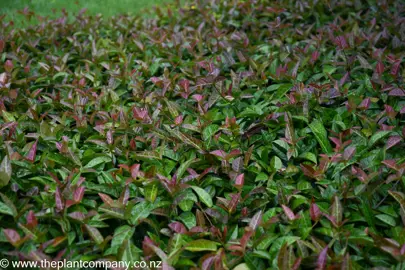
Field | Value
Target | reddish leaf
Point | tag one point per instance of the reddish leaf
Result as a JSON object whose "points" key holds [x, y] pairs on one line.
{"points": [[256, 220], [239, 181], [78, 194], [69, 203], [233, 203], [106, 199], [77, 215], [308, 170], [245, 238], [178, 120], [395, 68], [314, 56], [322, 259], [297, 264], [31, 220], [283, 258], [8, 66], [207, 262], [397, 92], [392, 141], [341, 42], [124, 196], [379, 68], [110, 137], [58, 200], [237, 164], [233, 153], [32, 153], [314, 211], [177, 227], [12, 236], [58, 240], [386, 244], [390, 163], [365, 104], [185, 84], [349, 152], [219, 153], [135, 170], [288, 212]]}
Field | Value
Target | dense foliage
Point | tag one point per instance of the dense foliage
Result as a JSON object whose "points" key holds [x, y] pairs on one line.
{"points": [[249, 134]]}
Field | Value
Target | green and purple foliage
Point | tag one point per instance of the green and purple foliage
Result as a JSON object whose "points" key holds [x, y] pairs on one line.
{"points": [[214, 135]]}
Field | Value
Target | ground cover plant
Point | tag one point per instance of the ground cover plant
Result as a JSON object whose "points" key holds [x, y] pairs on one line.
{"points": [[215, 135]]}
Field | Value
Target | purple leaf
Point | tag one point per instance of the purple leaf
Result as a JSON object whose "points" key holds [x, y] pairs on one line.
{"points": [[349, 152], [106, 199], [32, 153], [135, 170], [78, 194], [239, 181], [58, 200], [322, 259], [12, 236], [379, 68], [314, 212], [77, 215], [219, 153], [397, 92], [256, 220], [392, 141], [31, 220], [177, 227], [365, 104], [288, 212]]}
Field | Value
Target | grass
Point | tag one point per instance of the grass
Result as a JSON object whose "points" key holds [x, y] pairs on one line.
{"points": [[52, 8]]}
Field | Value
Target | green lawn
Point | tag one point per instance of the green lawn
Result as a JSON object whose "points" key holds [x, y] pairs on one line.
{"points": [[49, 7]]}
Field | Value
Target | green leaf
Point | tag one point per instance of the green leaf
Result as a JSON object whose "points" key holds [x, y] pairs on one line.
{"points": [[378, 136], [276, 163], [173, 108], [387, 219], [337, 210], [202, 245], [242, 266], [128, 252], [367, 212], [94, 234], [151, 191], [9, 203], [321, 135], [309, 156], [210, 131], [114, 212], [203, 195], [329, 69], [97, 161], [5, 171], [183, 167], [140, 211], [184, 137], [188, 219], [5, 209], [121, 234], [58, 158]]}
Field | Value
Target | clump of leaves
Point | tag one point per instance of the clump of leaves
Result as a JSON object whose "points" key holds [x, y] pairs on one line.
{"points": [[227, 134]]}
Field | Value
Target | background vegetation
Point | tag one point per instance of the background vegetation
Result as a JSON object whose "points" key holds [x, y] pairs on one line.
{"points": [[52, 8]]}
